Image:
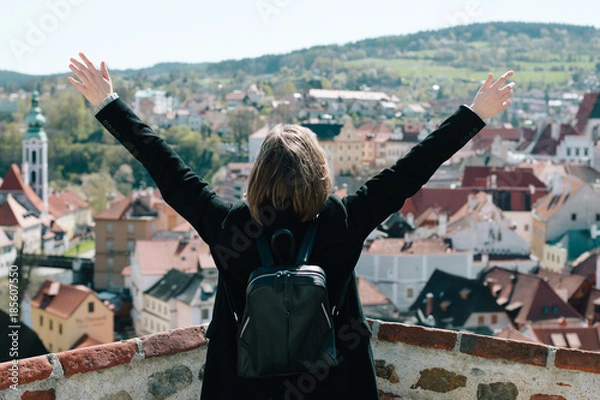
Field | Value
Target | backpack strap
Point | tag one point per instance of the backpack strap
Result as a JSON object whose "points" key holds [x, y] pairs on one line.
{"points": [[307, 243], [335, 310]]}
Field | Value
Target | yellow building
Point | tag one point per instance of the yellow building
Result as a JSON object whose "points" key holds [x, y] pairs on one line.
{"points": [[66, 316], [345, 151]]}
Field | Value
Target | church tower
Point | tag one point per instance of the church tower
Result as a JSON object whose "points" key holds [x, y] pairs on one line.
{"points": [[35, 152]]}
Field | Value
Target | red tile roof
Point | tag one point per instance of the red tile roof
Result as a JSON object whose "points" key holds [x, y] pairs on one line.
{"points": [[593, 304], [85, 341], [60, 299], [562, 283], [448, 200], [512, 333], [369, 294], [4, 240], [546, 145], [587, 106], [375, 130], [399, 246], [13, 182], [547, 206], [477, 176], [582, 338], [65, 201], [529, 296], [116, 210], [156, 257], [586, 264], [14, 214]]}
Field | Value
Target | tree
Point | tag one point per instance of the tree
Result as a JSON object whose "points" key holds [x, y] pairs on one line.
{"points": [[242, 122]]}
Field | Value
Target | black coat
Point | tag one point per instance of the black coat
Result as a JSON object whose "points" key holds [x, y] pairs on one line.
{"points": [[343, 226]]}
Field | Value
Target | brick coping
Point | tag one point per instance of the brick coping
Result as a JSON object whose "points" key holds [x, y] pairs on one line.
{"points": [[175, 341]]}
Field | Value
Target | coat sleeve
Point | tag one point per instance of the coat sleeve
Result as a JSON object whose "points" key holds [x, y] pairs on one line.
{"points": [[181, 188], [386, 192]]}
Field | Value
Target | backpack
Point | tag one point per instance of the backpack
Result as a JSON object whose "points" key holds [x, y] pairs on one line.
{"points": [[287, 326]]}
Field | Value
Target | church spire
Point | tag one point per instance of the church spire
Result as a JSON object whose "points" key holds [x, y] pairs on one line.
{"points": [[35, 151]]}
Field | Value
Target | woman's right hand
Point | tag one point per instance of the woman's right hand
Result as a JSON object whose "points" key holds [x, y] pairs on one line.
{"points": [[493, 97], [93, 84]]}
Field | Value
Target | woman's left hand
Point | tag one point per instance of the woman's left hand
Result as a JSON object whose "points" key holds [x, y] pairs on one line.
{"points": [[93, 84]]}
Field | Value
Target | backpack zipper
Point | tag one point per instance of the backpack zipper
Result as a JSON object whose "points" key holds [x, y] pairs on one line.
{"points": [[279, 274], [244, 327], [326, 315]]}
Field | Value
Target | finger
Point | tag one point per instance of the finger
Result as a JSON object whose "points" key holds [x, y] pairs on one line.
{"points": [[89, 64], [75, 82], [508, 87], [79, 74], [81, 68], [503, 78], [488, 81], [104, 71]]}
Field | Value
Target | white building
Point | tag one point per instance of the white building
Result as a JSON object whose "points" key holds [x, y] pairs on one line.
{"points": [[400, 269]]}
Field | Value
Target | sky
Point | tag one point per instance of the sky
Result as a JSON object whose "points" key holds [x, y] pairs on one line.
{"points": [[39, 36]]}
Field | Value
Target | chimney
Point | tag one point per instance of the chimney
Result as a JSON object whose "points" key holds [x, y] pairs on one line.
{"points": [[429, 307], [594, 231], [442, 224], [555, 130], [493, 181], [472, 202]]}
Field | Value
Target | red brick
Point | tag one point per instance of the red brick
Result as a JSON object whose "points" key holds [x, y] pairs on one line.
{"points": [[418, 336], [578, 360], [512, 350], [547, 397], [30, 370], [388, 396], [39, 395], [173, 341], [95, 358]]}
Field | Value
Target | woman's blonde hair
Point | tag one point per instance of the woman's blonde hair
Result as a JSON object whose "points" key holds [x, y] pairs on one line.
{"points": [[290, 170]]}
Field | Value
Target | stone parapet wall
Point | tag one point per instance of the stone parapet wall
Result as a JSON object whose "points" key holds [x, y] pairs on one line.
{"points": [[411, 362]]}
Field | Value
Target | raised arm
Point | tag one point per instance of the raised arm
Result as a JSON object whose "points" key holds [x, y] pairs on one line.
{"points": [[386, 192], [184, 190]]}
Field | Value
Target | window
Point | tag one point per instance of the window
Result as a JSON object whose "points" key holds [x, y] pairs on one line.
{"points": [[545, 310], [27, 155], [153, 227], [91, 306], [205, 313], [577, 151], [494, 319], [60, 329], [109, 227], [50, 324], [573, 217], [526, 227], [597, 217], [109, 280], [130, 246], [32, 177], [109, 245], [130, 228], [410, 293], [41, 320], [50, 347], [480, 319], [33, 157], [585, 152], [110, 263]]}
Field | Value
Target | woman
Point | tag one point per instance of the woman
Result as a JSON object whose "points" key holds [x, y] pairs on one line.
{"points": [[288, 186]]}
